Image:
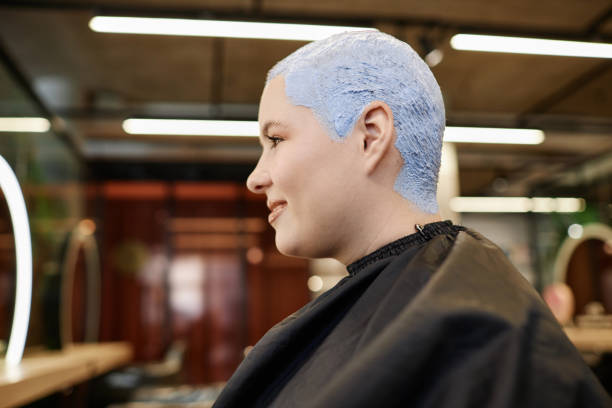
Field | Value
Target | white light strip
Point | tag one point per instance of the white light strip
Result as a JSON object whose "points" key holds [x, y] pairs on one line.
{"points": [[215, 28], [191, 127], [251, 128], [516, 204], [35, 125], [493, 135], [23, 253], [521, 45]]}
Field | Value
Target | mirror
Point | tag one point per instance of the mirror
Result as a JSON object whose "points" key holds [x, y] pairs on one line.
{"points": [[584, 263], [23, 262], [80, 241], [49, 173]]}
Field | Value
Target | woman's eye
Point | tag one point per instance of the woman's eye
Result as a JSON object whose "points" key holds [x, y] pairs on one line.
{"points": [[274, 141]]}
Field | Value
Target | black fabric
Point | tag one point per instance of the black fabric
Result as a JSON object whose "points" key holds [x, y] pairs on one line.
{"points": [[397, 247], [439, 318]]}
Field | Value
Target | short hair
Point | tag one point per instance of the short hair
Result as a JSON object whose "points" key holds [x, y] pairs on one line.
{"points": [[339, 76]]}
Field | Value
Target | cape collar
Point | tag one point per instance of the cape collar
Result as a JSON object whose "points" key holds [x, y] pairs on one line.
{"points": [[427, 232]]}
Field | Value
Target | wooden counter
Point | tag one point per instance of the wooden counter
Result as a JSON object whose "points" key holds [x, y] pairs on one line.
{"points": [[588, 339], [44, 373]]}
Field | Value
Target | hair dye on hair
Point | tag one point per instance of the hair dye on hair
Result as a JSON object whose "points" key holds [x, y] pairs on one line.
{"points": [[339, 76]]}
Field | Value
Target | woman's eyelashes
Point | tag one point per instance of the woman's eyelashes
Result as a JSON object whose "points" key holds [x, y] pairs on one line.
{"points": [[274, 141]]}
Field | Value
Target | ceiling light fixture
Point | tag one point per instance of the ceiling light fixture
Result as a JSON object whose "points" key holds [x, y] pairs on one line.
{"points": [[190, 127], [16, 124], [538, 46], [493, 135], [575, 231], [516, 204], [216, 28], [434, 57], [432, 54]]}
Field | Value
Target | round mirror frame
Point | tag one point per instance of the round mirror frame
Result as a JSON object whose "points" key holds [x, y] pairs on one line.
{"points": [[590, 231], [23, 260], [81, 237]]}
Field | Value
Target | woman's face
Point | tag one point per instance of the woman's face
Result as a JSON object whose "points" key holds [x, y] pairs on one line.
{"points": [[306, 176]]}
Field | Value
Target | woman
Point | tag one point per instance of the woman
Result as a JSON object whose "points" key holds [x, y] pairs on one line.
{"points": [[431, 314]]}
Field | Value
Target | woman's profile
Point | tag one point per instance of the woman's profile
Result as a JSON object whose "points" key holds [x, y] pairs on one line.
{"points": [[431, 314]]}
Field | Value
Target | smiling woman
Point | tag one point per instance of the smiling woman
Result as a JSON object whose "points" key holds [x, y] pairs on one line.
{"points": [[431, 313]]}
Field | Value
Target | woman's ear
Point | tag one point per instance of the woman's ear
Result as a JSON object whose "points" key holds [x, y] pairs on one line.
{"points": [[378, 133]]}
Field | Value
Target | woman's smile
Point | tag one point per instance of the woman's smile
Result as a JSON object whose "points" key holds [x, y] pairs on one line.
{"points": [[276, 208]]}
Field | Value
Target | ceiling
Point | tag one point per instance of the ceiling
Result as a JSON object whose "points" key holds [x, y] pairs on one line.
{"points": [[92, 81]]}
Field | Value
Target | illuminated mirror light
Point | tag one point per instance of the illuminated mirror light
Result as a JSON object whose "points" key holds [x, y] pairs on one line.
{"points": [[492, 135], [516, 204], [216, 28], [521, 45], [23, 253], [33, 125]]}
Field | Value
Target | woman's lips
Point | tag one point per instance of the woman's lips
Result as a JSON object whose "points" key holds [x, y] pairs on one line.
{"points": [[276, 210]]}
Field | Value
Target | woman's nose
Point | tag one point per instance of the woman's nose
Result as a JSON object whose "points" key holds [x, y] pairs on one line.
{"points": [[259, 180]]}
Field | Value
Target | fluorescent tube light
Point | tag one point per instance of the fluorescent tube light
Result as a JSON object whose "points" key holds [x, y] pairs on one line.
{"points": [[35, 125], [23, 255], [215, 28], [521, 45], [191, 127], [493, 135], [516, 204], [251, 128], [569, 205]]}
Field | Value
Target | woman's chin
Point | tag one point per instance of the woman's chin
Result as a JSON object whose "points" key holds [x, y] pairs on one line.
{"points": [[289, 246], [298, 250]]}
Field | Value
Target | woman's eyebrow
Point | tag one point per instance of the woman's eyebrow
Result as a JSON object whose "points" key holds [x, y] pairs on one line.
{"points": [[272, 123]]}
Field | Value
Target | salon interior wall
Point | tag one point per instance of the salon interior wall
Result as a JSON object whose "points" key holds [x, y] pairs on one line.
{"points": [[51, 177], [191, 262]]}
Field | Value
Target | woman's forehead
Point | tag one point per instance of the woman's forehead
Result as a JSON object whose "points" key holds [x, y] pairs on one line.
{"points": [[277, 110]]}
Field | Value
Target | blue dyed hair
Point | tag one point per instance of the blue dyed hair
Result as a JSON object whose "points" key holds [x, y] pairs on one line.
{"points": [[339, 76]]}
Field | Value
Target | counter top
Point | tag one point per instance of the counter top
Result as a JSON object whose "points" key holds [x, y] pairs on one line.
{"points": [[43, 373], [590, 339]]}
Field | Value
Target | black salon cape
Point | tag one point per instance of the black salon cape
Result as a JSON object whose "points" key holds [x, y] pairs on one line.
{"points": [[436, 319]]}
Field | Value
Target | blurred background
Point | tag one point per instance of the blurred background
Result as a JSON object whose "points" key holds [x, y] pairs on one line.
{"points": [[152, 240]]}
